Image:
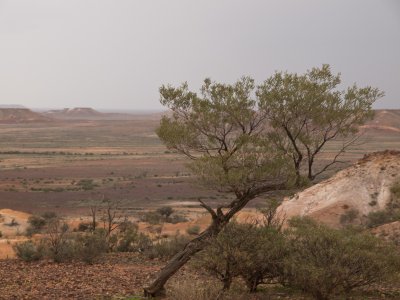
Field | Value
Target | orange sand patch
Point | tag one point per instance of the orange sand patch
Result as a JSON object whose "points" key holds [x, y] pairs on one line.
{"points": [[7, 215]]}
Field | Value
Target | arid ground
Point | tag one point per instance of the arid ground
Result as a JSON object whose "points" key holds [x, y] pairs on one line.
{"points": [[66, 165]]}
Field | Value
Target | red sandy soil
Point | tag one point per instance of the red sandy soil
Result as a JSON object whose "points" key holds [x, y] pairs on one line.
{"points": [[120, 276]]}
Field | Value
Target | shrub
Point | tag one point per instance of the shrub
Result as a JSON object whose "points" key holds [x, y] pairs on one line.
{"points": [[131, 240], [85, 226], [395, 189], [152, 218], [193, 230], [91, 246], [36, 224], [87, 184], [325, 261], [29, 251], [349, 216], [254, 253], [194, 290], [49, 215], [165, 211], [167, 248], [177, 218], [60, 247], [381, 217]]}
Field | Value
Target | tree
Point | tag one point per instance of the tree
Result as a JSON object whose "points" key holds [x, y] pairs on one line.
{"points": [[307, 111], [224, 134]]}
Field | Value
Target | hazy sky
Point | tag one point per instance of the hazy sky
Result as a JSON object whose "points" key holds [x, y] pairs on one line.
{"points": [[115, 54]]}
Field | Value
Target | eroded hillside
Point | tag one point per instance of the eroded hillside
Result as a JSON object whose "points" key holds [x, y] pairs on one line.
{"points": [[362, 188]]}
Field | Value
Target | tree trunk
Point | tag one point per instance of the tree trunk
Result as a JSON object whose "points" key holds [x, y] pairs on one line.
{"points": [[181, 258], [219, 220]]}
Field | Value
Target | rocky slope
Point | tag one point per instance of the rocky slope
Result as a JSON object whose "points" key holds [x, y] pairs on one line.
{"points": [[363, 187]]}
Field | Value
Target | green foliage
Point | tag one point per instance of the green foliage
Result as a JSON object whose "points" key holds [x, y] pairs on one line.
{"points": [[85, 226], [36, 224], [349, 217], [326, 261], [308, 110], [391, 213], [254, 253], [87, 184], [177, 218], [377, 218], [395, 191], [90, 246], [49, 215], [193, 230], [165, 211], [160, 216], [223, 132], [131, 240], [167, 248], [152, 218], [29, 251]]}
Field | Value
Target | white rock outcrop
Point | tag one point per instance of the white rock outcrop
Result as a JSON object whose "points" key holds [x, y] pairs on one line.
{"points": [[364, 187]]}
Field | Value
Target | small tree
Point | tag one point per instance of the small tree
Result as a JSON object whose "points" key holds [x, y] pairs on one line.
{"points": [[59, 246], [165, 211], [223, 133], [307, 111]]}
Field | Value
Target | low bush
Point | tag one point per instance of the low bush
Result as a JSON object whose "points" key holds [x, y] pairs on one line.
{"points": [[177, 218], [349, 217], [193, 230], [35, 225], [165, 211], [189, 289], [131, 240], [254, 253], [377, 218], [90, 246], [325, 261], [152, 218], [167, 248], [29, 251]]}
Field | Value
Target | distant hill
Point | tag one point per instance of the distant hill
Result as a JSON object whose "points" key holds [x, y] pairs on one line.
{"points": [[386, 121], [87, 113], [11, 106], [74, 113], [21, 115]]}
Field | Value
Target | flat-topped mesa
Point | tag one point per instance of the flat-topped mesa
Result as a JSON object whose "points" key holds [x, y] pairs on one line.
{"points": [[74, 113], [363, 188]]}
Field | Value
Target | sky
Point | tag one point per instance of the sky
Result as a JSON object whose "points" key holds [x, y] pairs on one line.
{"points": [[116, 54]]}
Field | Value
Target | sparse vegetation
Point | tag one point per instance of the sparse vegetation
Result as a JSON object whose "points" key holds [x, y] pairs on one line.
{"points": [[349, 217], [165, 211], [390, 214], [193, 230], [29, 251], [325, 261], [167, 248]]}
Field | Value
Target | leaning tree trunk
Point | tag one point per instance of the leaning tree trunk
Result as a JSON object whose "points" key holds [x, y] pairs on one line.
{"points": [[181, 258], [219, 220]]}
